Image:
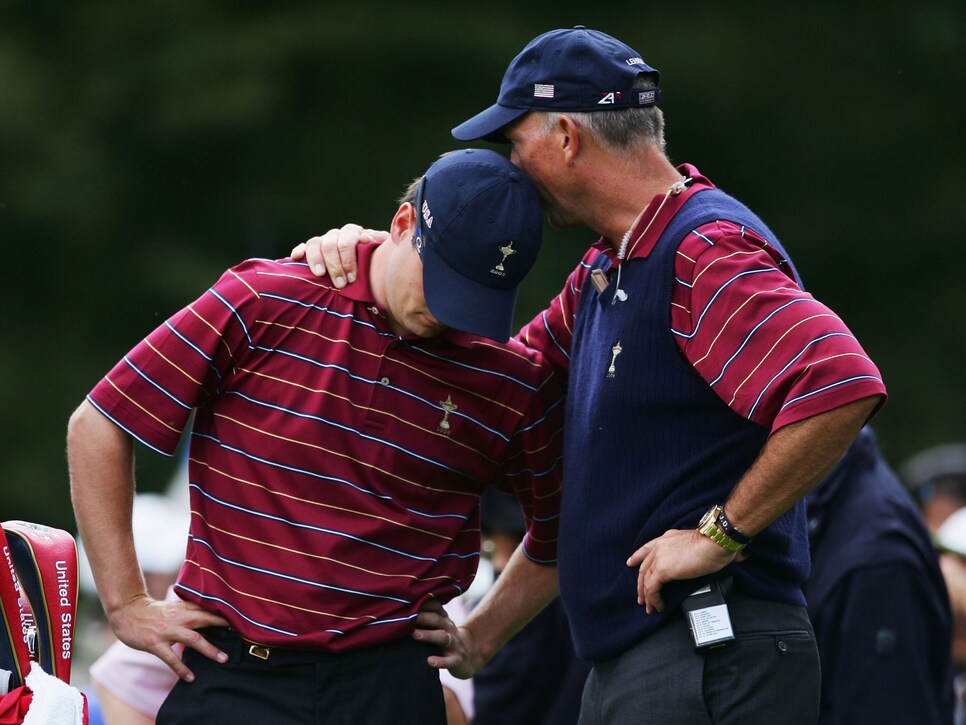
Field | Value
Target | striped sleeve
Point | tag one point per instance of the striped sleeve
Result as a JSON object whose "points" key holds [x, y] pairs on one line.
{"points": [[151, 392], [551, 331], [533, 470], [771, 351]]}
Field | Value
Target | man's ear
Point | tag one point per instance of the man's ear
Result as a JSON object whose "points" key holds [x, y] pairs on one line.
{"points": [[403, 224], [568, 133]]}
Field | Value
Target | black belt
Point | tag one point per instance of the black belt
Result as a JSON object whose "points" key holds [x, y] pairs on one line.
{"points": [[242, 650]]}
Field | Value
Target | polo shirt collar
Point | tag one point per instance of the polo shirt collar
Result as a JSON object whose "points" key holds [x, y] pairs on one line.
{"points": [[656, 216]]}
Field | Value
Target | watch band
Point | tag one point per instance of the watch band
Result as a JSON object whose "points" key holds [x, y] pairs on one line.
{"points": [[708, 526], [724, 523]]}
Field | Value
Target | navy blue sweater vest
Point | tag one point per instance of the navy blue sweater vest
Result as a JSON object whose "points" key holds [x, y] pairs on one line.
{"points": [[649, 447]]}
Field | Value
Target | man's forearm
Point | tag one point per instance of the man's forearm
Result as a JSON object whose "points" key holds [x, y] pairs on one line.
{"points": [[793, 461], [101, 458], [101, 461], [521, 591]]}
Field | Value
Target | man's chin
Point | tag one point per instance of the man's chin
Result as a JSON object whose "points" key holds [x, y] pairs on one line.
{"points": [[428, 331], [555, 220], [555, 216]]}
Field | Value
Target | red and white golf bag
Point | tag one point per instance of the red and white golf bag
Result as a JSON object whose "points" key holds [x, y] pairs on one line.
{"points": [[38, 599]]}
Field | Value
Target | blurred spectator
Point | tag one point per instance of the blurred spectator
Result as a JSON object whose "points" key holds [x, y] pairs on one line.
{"points": [[537, 677], [876, 598], [937, 478], [951, 541]]}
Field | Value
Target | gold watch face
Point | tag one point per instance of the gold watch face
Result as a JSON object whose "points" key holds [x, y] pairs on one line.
{"points": [[708, 526], [709, 515]]}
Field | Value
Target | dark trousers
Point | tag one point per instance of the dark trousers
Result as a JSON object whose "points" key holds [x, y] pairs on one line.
{"points": [[769, 675], [383, 684]]}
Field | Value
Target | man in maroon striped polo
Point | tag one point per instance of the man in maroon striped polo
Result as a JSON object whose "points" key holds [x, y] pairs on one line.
{"points": [[340, 442]]}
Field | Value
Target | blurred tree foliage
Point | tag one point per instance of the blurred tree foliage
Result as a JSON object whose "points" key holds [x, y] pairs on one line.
{"points": [[146, 146]]}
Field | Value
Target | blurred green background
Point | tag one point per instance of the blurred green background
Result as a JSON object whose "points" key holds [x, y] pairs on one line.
{"points": [[145, 147]]}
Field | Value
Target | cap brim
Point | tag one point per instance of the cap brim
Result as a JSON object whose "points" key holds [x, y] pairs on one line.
{"points": [[465, 304], [488, 124]]}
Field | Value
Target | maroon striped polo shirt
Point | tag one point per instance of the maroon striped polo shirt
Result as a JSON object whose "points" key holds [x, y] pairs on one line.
{"points": [[335, 468], [771, 351]]}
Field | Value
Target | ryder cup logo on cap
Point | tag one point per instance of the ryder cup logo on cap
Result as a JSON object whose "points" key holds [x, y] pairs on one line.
{"points": [[478, 232], [576, 69]]}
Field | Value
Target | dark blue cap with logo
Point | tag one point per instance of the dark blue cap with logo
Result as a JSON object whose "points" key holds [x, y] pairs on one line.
{"points": [[478, 232], [576, 69]]}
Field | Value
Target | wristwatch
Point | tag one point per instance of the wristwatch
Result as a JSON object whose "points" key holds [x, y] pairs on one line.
{"points": [[716, 526]]}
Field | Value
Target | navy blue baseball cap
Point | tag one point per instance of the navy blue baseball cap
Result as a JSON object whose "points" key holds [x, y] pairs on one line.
{"points": [[575, 69], [478, 232]]}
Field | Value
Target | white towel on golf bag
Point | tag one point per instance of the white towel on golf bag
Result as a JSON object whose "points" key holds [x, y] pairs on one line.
{"points": [[55, 702]]}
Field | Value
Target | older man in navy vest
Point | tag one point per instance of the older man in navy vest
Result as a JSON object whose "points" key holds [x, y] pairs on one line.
{"points": [[707, 394]]}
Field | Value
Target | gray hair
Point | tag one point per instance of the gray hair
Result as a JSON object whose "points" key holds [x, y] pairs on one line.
{"points": [[621, 129]]}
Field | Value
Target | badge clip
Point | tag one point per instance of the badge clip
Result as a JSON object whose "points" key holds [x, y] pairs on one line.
{"points": [[708, 617], [599, 280]]}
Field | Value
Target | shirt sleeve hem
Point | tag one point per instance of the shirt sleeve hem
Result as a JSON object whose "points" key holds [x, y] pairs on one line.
{"points": [[155, 438], [532, 556], [824, 403]]}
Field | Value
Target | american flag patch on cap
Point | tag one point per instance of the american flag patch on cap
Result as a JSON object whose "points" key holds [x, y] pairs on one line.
{"points": [[543, 90]]}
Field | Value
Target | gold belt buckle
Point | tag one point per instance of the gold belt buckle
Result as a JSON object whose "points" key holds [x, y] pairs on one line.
{"points": [[259, 651]]}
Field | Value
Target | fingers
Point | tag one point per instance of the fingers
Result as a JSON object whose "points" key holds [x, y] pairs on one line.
{"points": [[162, 628], [676, 555], [649, 593], [432, 606], [321, 255], [431, 615], [172, 659], [650, 579], [311, 251], [434, 627], [197, 642], [338, 252], [169, 653], [334, 253], [456, 651], [649, 583], [439, 637], [374, 235], [637, 557]]}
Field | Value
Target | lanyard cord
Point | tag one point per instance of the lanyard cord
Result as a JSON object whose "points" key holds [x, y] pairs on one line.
{"points": [[676, 188]]}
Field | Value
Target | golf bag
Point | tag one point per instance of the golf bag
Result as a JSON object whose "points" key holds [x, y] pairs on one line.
{"points": [[38, 604]]}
